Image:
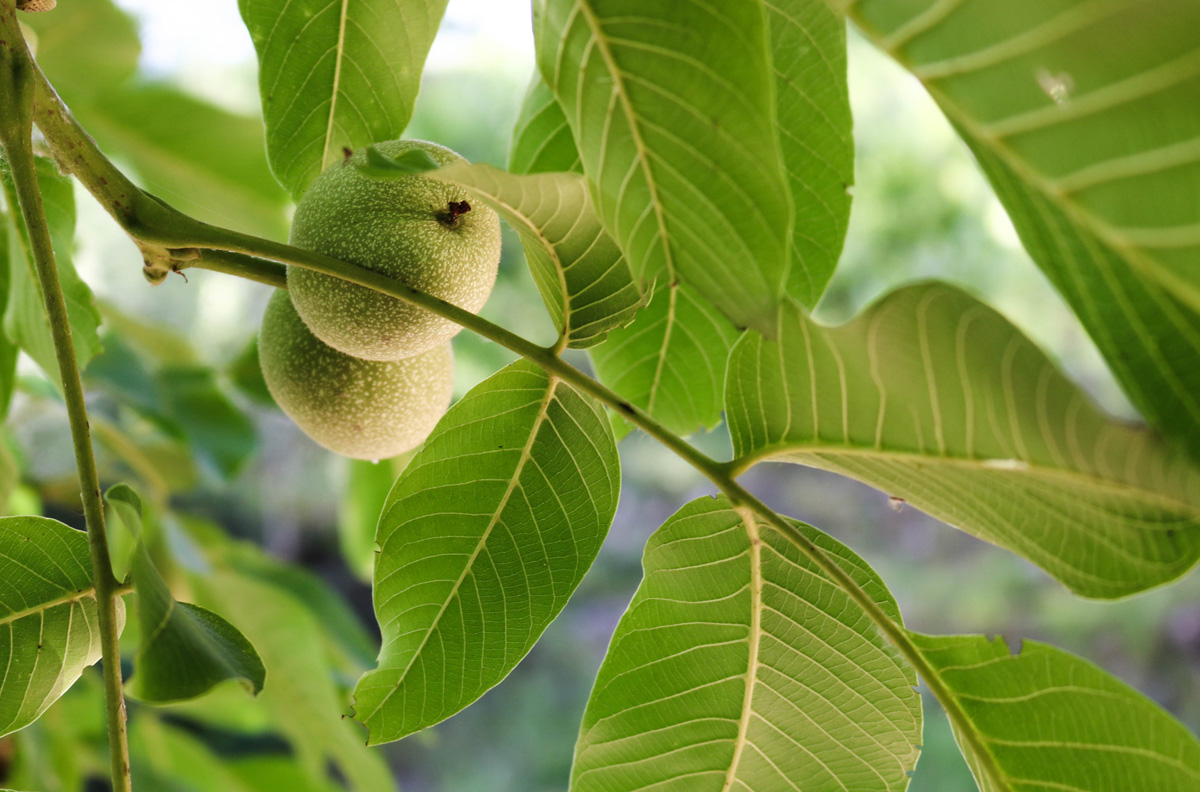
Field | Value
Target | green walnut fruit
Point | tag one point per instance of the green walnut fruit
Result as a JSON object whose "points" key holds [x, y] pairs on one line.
{"points": [[426, 233], [360, 408]]}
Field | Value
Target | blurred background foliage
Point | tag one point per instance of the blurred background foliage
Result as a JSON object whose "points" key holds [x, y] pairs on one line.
{"points": [[251, 519]]}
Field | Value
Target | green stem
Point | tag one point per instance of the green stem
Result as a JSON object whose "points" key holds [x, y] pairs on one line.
{"points": [[16, 128]]}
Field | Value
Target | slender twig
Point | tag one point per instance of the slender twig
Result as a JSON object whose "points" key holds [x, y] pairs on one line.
{"points": [[16, 129], [192, 243]]}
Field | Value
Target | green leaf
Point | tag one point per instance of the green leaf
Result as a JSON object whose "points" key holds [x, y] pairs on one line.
{"points": [[541, 139], [216, 428], [739, 665], [578, 268], [51, 630], [815, 128], [1042, 719], [204, 160], [484, 537], [84, 48], [25, 318], [306, 703], [1083, 115], [185, 649], [671, 360], [672, 109], [381, 166], [936, 399], [336, 75]]}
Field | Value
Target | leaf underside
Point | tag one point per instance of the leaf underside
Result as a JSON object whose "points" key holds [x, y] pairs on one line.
{"points": [[1043, 719], [49, 627], [578, 268], [671, 105], [336, 75], [936, 399], [482, 540], [739, 665], [1082, 114]]}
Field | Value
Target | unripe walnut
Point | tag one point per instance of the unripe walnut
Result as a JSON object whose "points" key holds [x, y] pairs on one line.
{"points": [[415, 229], [359, 408]]}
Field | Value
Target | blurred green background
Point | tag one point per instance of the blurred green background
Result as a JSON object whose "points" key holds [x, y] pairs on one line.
{"points": [[214, 449]]}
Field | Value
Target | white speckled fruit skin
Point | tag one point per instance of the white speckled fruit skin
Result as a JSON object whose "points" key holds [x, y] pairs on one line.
{"points": [[359, 408], [391, 227]]}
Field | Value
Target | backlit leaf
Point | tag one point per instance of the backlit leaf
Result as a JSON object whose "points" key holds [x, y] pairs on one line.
{"points": [[739, 665], [336, 75], [672, 108], [1083, 115], [1041, 719], [49, 628], [484, 537], [936, 399], [578, 268]]}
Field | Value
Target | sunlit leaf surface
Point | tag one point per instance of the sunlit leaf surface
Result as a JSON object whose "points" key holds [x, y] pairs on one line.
{"points": [[671, 360]]}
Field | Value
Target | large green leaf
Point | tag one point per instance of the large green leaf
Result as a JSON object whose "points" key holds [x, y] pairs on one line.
{"points": [[809, 45], [484, 537], [541, 139], [25, 319], [671, 360], [1083, 115], [1041, 719], [336, 74], [185, 649], [578, 268], [936, 399], [673, 111], [49, 628], [739, 665]]}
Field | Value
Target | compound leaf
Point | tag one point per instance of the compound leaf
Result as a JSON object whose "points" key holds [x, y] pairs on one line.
{"points": [[739, 665], [482, 540], [672, 108], [49, 627], [936, 399]]}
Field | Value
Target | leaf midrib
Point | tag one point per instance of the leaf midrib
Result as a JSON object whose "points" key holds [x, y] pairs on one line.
{"points": [[337, 77], [779, 451], [635, 131], [756, 606], [42, 607], [526, 456]]}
